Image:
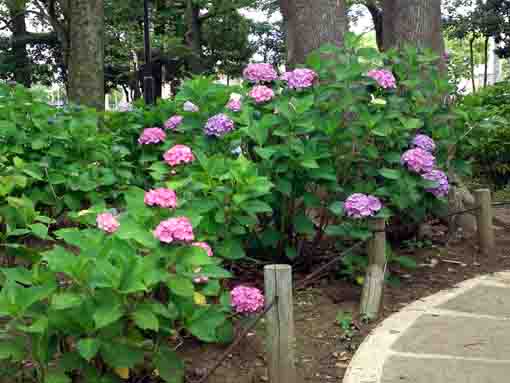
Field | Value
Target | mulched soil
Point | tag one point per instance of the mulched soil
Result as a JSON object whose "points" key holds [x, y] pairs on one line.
{"points": [[323, 349]]}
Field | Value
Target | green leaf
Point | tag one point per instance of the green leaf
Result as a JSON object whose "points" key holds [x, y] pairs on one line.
{"points": [[88, 348], [391, 174], [107, 314], [291, 252], [65, 301], [121, 355], [265, 153], [310, 164], [303, 225], [40, 230], [169, 366], [12, 349], [57, 377], [231, 249], [145, 319], [337, 208], [254, 207], [181, 286], [213, 271], [205, 322]]}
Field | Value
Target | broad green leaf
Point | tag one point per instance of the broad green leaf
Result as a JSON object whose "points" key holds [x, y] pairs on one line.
{"points": [[303, 225], [205, 322], [65, 301], [40, 230], [145, 319], [231, 249], [121, 355], [12, 349], [107, 314], [57, 377], [337, 208], [169, 366], [88, 348], [181, 286], [390, 173]]}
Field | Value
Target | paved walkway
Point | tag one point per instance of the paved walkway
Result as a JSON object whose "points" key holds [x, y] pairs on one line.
{"points": [[461, 335]]}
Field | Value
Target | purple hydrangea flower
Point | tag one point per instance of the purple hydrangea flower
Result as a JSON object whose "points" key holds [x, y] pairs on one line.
{"points": [[173, 122], [383, 77], [441, 179], [260, 73], [152, 136], [300, 78], [247, 300], [361, 205], [234, 105], [219, 125], [418, 160], [424, 142], [261, 94]]}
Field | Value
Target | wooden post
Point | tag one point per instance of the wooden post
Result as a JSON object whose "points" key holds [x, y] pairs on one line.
{"points": [[280, 324], [484, 220], [372, 294]]}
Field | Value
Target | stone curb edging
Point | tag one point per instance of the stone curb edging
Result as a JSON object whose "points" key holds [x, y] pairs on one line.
{"points": [[367, 364]]}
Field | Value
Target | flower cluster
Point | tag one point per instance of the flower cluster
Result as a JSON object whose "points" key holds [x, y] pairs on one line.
{"points": [[234, 105], [204, 246], [152, 136], [441, 179], [261, 94], [300, 78], [247, 300], [190, 107], [175, 229], [173, 122], [219, 125], [260, 73], [424, 142], [361, 205], [179, 154], [383, 77], [161, 197], [418, 160], [107, 222]]}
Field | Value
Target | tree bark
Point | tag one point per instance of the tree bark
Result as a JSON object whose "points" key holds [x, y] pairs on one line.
{"points": [[86, 53], [311, 24], [194, 37], [486, 61], [22, 73], [378, 20], [472, 62]]}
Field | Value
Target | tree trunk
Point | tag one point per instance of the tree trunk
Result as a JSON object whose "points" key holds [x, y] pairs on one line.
{"points": [[472, 62], [377, 19], [22, 73], [311, 24], [86, 53], [486, 61], [194, 37]]}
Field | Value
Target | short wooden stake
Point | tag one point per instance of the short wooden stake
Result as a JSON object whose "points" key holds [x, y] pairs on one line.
{"points": [[484, 220], [373, 287], [280, 324]]}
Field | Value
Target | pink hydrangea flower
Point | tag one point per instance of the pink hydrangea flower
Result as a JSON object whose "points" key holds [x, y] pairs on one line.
{"points": [[424, 142], [361, 205], [247, 300], [418, 160], [261, 94], [107, 222], [179, 154], [161, 197], [260, 73], [175, 229], [234, 105], [219, 125], [441, 179], [204, 246], [152, 136], [190, 107], [300, 78], [383, 77], [173, 122]]}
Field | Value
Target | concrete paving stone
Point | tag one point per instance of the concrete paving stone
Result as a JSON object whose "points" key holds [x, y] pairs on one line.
{"points": [[457, 336], [401, 369], [483, 300]]}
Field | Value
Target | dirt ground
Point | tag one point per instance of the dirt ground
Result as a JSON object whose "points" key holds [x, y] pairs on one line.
{"points": [[323, 348]]}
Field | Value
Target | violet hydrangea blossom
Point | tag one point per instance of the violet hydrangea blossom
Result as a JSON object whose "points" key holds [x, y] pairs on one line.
{"points": [[441, 180], [175, 229], [247, 300], [261, 94], [360, 205], [205, 246], [161, 197], [383, 77], [219, 125], [179, 154], [300, 78], [152, 136], [424, 142], [257, 73], [173, 122], [418, 160], [107, 222]]}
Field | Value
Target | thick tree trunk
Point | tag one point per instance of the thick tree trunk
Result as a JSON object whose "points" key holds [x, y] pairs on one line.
{"points": [[86, 53], [194, 37], [378, 20], [22, 73], [311, 24]]}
